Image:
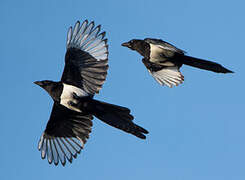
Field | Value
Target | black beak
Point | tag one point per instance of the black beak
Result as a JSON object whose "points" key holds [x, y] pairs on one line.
{"points": [[39, 83], [126, 44]]}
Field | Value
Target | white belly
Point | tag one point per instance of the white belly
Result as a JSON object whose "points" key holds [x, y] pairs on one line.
{"points": [[67, 96]]}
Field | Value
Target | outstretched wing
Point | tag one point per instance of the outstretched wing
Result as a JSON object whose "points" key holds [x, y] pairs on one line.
{"points": [[65, 135], [86, 59]]}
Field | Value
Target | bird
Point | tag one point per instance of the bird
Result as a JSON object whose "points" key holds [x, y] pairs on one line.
{"points": [[85, 71], [163, 60]]}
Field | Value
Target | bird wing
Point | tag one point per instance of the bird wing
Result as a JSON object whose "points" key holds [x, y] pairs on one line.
{"points": [[86, 59], [164, 45], [164, 75], [65, 135]]}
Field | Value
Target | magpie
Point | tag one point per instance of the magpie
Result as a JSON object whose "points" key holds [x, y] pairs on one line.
{"points": [[85, 71], [163, 60]]}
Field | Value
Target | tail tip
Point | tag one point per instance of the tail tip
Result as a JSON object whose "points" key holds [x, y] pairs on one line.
{"points": [[227, 71], [141, 136], [142, 133], [230, 71]]}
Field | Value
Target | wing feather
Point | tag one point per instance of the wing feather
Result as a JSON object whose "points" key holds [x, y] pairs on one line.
{"points": [[86, 60], [65, 135], [168, 76], [164, 75]]}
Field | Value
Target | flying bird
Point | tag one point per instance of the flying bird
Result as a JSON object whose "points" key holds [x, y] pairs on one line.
{"points": [[85, 71], [163, 60]]}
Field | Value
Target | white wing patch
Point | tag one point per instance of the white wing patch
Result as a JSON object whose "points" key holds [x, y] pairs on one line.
{"points": [[86, 37], [67, 96], [160, 53], [168, 76], [59, 148], [155, 53]]}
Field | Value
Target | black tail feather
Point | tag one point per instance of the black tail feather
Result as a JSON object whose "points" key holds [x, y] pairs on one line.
{"points": [[203, 64], [116, 116]]}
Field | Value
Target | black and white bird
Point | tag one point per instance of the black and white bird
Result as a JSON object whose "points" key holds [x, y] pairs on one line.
{"points": [[69, 126], [163, 60]]}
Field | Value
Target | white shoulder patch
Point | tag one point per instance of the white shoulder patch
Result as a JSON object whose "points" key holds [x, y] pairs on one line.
{"points": [[159, 53], [67, 96], [155, 53]]}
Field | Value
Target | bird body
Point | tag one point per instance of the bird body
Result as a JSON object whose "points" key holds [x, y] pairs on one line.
{"points": [[159, 55], [85, 71], [163, 60], [67, 96]]}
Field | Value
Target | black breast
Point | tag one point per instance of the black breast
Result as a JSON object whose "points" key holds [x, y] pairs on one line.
{"points": [[143, 48], [56, 91]]}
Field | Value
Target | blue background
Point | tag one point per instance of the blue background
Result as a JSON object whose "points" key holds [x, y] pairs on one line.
{"points": [[196, 129]]}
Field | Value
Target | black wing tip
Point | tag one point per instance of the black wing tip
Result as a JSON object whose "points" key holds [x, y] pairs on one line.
{"points": [[78, 22], [50, 162], [99, 27], [63, 164], [102, 34]]}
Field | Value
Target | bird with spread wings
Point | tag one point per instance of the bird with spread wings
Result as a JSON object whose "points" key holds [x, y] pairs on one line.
{"points": [[85, 71]]}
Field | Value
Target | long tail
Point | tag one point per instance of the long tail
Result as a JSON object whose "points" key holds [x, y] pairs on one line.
{"points": [[116, 116], [203, 64]]}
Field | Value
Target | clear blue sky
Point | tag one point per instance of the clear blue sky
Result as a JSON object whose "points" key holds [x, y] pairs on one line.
{"points": [[196, 129]]}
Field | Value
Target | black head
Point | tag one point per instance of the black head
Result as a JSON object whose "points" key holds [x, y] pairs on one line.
{"points": [[44, 84], [50, 86], [140, 46], [133, 44]]}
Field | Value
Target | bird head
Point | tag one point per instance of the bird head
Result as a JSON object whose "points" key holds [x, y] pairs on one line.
{"points": [[47, 85], [133, 44], [44, 84]]}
